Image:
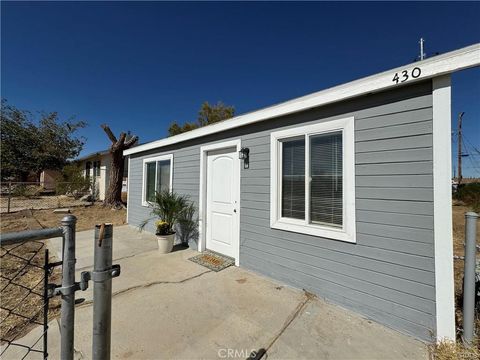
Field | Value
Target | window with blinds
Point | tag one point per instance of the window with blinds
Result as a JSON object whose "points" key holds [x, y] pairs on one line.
{"points": [[157, 177], [313, 179], [326, 179], [293, 179]]}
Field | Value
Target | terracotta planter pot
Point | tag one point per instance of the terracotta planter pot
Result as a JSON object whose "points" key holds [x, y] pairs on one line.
{"points": [[165, 243]]}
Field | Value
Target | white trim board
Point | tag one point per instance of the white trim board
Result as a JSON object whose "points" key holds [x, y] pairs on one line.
{"points": [[128, 185], [202, 202], [432, 67], [442, 210]]}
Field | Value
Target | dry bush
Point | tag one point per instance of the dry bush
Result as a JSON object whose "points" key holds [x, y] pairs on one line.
{"points": [[447, 350]]}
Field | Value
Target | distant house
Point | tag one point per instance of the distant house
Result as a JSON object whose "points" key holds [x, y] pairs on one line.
{"points": [[97, 167], [48, 179]]}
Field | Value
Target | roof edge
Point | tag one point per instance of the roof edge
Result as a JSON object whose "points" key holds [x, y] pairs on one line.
{"points": [[447, 63]]}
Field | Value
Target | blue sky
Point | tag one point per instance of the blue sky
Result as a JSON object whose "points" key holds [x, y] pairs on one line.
{"points": [[139, 66]]}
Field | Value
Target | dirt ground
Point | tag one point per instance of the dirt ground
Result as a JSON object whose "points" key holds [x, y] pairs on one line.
{"points": [[39, 202], [458, 216], [87, 218], [21, 266]]}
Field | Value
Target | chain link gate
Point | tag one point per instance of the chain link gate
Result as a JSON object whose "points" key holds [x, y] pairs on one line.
{"points": [[28, 284], [25, 298]]}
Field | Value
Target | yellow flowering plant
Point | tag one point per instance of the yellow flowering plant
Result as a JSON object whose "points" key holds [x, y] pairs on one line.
{"points": [[163, 227]]}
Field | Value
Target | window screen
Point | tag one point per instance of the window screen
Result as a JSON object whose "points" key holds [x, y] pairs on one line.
{"points": [[293, 179], [326, 183]]}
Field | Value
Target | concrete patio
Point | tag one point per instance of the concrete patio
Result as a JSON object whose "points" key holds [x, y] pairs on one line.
{"points": [[167, 307]]}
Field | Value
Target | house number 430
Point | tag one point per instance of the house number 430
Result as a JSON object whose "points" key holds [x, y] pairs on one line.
{"points": [[405, 75]]}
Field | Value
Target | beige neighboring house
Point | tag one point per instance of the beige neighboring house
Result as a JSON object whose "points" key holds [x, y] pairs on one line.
{"points": [[97, 166], [49, 178]]}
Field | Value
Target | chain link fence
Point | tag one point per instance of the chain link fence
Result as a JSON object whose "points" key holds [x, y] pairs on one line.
{"points": [[18, 196], [25, 272], [34, 292]]}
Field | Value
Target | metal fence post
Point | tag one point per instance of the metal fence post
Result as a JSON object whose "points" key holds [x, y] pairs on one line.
{"points": [[46, 303], [9, 196], [102, 292], [67, 316], [469, 276]]}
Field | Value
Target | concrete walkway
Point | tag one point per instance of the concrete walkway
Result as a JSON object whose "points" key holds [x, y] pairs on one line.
{"points": [[167, 307], [127, 241]]}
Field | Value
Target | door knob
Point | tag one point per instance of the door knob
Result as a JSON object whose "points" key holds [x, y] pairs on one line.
{"points": [[234, 210]]}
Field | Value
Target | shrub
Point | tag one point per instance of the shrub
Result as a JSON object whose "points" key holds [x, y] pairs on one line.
{"points": [[169, 207], [469, 194], [25, 190], [72, 182]]}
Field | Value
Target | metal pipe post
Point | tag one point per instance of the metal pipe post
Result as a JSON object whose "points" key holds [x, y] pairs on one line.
{"points": [[9, 196], [102, 292], [67, 316], [45, 304], [469, 276]]}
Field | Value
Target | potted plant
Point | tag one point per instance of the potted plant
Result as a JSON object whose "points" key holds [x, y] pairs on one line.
{"points": [[165, 237], [169, 207]]}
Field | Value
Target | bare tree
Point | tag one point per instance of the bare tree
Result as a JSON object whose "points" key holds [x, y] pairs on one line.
{"points": [[113, 196]]}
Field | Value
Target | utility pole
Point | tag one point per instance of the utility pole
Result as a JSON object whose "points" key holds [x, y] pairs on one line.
{"points": [[422, 54], [459, 148]]}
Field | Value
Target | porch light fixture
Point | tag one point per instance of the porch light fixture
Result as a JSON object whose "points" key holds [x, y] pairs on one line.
{"points": [[243, 153]]}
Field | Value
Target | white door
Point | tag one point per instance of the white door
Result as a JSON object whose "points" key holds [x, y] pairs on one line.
{"points": [[223, 233]]}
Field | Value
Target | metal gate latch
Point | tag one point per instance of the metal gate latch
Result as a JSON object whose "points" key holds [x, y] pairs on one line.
{"points": [[98, 276]]}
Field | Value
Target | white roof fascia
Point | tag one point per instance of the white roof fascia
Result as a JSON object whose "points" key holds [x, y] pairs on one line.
{"points": [[432, 67]]}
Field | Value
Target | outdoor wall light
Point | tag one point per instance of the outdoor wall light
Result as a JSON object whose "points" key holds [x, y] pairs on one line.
{"points": [[243, 153]]}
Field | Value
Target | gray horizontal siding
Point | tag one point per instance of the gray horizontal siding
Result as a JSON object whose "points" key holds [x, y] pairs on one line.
{"points": [[388, 274]]}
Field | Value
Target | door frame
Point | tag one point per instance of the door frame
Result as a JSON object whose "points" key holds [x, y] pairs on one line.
{"points": [[202, 208]]}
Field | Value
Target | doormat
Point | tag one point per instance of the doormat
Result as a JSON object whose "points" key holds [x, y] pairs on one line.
{"points": [[212, 260]]}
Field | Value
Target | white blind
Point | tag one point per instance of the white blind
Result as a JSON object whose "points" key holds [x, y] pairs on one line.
{"points": [[293, 179], [163, 175], [326, 190]]}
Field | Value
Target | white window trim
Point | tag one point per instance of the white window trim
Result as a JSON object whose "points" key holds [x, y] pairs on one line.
{"points": [[144, 179], [348, 231]]}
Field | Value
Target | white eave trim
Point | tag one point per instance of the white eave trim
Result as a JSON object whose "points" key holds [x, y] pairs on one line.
{"points": [[436, 66]]}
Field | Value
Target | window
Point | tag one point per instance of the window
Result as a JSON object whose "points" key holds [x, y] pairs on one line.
{"points": [[293, 179], [157, 176], [96, 168], [88, 165], [312, 180]]}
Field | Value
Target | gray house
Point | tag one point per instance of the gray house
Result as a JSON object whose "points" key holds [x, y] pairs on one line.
{"points": [[345, 192]]}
